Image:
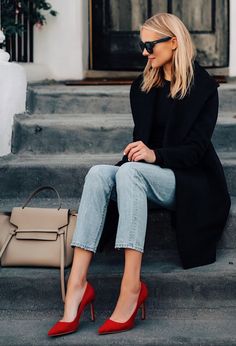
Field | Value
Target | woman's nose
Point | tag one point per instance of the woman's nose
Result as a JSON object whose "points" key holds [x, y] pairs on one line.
{"points": [[145, 52]]}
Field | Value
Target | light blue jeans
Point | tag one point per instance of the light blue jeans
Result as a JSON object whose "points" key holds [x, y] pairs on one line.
{"points": [[130, 185]]}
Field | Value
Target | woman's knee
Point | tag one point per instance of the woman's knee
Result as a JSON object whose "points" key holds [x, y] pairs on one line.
{"points": [[127, 172], [101, 172]]}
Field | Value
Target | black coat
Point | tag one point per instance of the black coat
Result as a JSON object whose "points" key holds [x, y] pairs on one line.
{"points": [[202, 198]]}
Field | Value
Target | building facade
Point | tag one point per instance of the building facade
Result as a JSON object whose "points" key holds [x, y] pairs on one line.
{"points": [[88, 36]]}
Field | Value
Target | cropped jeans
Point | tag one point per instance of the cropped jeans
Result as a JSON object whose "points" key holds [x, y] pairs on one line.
{"points": [[130, 185]]}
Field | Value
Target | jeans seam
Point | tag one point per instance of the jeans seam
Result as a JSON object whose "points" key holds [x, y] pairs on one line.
{"points": [[132, 232], [136, 199], [134, 224], [103, 218]]}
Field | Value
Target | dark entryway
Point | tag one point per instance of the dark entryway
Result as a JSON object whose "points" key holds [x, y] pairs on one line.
{"points": [[115, 30]]}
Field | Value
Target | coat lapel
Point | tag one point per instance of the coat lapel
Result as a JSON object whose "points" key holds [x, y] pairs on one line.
{"points": [[183, 112]]}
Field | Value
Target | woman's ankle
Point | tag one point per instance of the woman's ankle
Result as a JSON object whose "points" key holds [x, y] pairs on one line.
{"points": [[73, 290], [77, 283], [130, 286]]}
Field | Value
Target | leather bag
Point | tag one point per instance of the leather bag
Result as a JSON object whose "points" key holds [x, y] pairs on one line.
{"points": [[38, 237]]}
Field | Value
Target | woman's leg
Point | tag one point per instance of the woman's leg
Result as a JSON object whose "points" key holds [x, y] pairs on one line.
{"points": [[97, 189], [130, 286], [77, 282], [135, 182]]}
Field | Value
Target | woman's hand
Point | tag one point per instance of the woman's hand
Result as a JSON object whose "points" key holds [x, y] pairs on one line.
{"points": [[136, 151]]}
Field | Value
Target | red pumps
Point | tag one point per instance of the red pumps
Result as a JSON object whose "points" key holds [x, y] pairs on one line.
{"points": [[61, 328], [111, 326]]}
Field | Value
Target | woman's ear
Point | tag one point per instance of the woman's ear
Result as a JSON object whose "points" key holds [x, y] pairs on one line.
{"points": [[174, 43]]}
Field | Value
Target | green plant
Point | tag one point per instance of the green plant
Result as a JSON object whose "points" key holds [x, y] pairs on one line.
{"points": [[13, 12]]}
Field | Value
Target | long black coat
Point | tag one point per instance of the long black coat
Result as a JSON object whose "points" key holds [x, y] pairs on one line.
{"points": [[202, 197]]}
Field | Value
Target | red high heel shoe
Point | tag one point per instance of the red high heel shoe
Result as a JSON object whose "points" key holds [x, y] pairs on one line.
{"points": [[111, 326], [61, 328]]}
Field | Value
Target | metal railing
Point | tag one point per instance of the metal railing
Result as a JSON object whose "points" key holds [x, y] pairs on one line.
{"points": [[20, 46]]}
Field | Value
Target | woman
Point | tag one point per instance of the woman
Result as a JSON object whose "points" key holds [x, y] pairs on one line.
{"points": [[171, 162]]}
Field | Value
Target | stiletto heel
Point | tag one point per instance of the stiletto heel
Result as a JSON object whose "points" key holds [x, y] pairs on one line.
{"points": [[61, 327], [92, 311], [143, 312], [111, 326]]}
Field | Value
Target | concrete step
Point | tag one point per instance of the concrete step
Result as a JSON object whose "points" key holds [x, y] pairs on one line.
{"points": [[170, 287], [20, 174], [44, 199], [94, 133], [23, 173], [173, 328], [159, 235], [59, 98], [227, 101]]}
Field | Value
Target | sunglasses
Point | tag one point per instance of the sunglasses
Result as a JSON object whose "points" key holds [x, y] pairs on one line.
{"points": [[150, 44]]}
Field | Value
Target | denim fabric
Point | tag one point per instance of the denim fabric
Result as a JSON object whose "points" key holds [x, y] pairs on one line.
{"points": [[130, 185]]}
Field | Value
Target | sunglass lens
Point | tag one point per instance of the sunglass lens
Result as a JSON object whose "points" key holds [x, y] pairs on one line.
{"points": [[146, 45], [149, 47]]}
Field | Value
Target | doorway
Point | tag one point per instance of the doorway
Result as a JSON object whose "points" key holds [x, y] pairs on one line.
{"points": [[114, 31]]}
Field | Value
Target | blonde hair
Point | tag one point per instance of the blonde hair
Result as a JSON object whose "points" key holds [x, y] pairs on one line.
{"points": [[182, 69]]}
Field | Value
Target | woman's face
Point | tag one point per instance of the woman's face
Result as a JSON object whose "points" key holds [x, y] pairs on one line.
{"points": [[162, 52]]}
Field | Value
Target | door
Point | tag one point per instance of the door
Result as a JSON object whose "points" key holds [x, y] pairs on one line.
{"points": [[115, 30]]}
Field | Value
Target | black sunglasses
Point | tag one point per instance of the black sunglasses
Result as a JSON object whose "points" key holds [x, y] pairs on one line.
{"points": [[150, 44]]}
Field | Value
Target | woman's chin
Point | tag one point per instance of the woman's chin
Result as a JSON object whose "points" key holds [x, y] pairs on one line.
{"points": [[154, 63]]}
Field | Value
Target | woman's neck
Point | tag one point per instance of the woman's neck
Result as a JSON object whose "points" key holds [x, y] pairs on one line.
{"points": [[167, 71]]}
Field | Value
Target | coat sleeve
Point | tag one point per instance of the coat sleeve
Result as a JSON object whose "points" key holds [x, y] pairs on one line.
{"points": [[125, 158], [190, 152]]}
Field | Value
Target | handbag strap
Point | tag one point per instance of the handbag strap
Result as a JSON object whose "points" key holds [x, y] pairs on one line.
{"points": [[40, 189], [62, 263], [7, 241], [62, 258]]}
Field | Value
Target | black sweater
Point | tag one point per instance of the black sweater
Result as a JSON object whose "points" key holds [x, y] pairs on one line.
{"points": [[160, 119]]}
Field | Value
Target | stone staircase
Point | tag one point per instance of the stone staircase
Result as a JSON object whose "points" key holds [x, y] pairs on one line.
{"points": [[65, 131]]}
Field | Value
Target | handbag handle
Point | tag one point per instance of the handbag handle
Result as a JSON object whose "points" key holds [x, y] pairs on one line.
{"points": [[40, 189]]}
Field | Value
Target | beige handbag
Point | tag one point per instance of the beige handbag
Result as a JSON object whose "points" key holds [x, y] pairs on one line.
{"points": [[38, 237]]}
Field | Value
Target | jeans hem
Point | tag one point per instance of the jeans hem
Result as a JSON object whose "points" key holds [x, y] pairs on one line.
{"points": [[117, 246], [83, 246]]}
